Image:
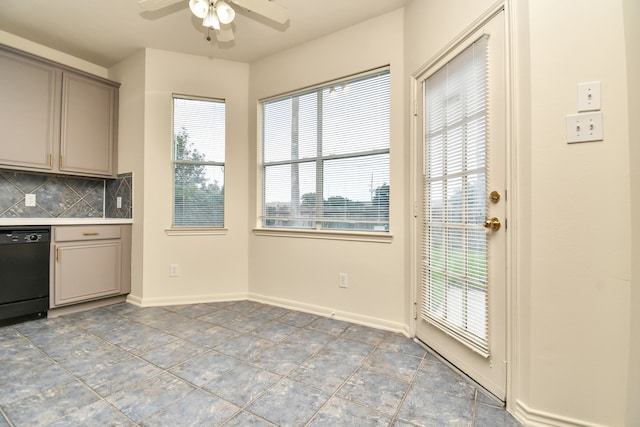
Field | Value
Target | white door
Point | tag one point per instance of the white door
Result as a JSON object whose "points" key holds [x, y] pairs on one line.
{"points": [[461, 220]]}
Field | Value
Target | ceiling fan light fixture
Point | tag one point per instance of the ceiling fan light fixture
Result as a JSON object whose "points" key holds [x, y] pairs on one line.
{"points": [[211, 20], [199, 8], [225, 13]]}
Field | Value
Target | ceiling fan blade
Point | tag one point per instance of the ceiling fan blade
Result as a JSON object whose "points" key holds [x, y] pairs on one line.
{"points": [[152, 5], [266, 8], [225, 34]]}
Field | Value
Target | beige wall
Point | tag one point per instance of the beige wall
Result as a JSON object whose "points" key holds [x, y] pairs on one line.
{"points": [[632, 32], [580, 217], [211, 266], [303, 272]]}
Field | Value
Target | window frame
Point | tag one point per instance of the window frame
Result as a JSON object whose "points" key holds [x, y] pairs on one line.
{"points": [[318, 162], [182, 230]]}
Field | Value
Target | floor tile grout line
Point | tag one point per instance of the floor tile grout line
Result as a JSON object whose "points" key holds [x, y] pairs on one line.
{"points": [[475, 407], [6, 418]]}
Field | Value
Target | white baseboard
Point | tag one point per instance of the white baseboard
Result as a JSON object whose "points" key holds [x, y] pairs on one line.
{"points": [[331, 313], [535, 418], [289, 304], [135, 300], [182, 300]]}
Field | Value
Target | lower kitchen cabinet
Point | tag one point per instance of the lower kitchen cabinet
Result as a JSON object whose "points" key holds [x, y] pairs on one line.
{"points": [[90, 263]]}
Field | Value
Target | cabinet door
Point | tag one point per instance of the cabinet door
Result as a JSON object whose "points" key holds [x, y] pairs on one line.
{"points": [[29, 111], [86, 271], [87, 126]]}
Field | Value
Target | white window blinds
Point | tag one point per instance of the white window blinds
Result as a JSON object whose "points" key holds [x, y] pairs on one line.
{"points": [[198, 162], [325, 156], [455, 245]]}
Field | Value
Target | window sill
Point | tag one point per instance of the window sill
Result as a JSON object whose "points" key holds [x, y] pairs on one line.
{"points": [[195, 231], [362, 236]]}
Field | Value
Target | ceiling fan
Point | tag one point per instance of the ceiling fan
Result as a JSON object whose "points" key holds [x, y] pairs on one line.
{"points": [[218, 14]]}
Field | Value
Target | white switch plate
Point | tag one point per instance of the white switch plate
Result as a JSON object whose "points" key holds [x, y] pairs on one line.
{"points": [[174, 270], [118, 202], [343, 280], [29, 199], [589, 96], [584, 127]]}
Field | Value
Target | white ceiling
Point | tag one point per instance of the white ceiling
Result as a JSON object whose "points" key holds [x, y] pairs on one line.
{"points": [[106, 31]]}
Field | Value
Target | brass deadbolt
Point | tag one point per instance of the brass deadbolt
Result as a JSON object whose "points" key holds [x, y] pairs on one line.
{"points": [[492, 223], [494, 196]]}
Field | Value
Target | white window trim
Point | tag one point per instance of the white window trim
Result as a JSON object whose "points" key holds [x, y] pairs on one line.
{"points": [[314, 233], [354, 236], [196, 231]]}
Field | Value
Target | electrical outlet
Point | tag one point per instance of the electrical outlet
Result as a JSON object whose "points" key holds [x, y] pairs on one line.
{"points": [[29, 199], [343, 280], [174, 270]]}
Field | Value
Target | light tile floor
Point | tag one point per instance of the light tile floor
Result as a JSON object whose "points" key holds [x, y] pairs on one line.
{"points": [[226, 364]]}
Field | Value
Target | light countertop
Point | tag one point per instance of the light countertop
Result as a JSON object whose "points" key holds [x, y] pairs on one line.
{"points": [[63, 221]]}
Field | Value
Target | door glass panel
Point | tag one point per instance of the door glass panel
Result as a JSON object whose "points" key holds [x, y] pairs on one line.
{"points": [[454, 247]]}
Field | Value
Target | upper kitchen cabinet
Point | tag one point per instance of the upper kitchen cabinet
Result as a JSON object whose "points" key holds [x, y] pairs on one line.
{"points": [[87, 134], [56, 119], [29, 112]]}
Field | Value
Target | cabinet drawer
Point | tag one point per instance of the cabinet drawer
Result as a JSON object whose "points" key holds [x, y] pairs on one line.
{"points": [[86, 232]]}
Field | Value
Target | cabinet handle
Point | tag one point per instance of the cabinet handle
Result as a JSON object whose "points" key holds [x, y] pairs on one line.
{"points": [[90, 233], [50, 160], [61, 161], [58, 254]]}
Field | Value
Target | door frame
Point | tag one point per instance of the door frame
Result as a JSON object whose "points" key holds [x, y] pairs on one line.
{"points": [[511, 160]]}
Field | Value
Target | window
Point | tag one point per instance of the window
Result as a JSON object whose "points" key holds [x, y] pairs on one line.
{"points": [[325, 156], [198, 162]]}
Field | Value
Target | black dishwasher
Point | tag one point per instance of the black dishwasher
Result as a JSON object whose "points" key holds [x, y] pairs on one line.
{"points": [[24, 273]]}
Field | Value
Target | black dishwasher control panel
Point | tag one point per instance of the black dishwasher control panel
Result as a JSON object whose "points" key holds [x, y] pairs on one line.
{"points": [[14, 235]]}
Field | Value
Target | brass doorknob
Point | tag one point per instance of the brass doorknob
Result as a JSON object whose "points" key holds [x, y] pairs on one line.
{"points": [[492, 223]]}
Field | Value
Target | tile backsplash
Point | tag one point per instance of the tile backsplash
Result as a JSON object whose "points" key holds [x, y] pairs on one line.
{"points": [[120, 187], [60, 196]]}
